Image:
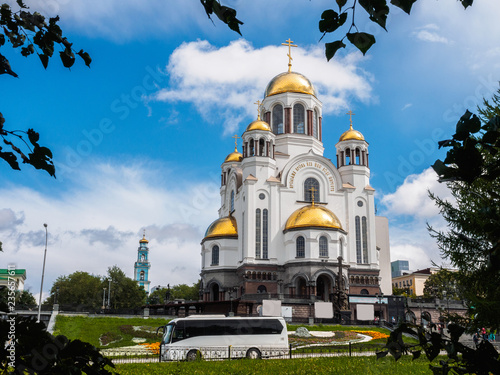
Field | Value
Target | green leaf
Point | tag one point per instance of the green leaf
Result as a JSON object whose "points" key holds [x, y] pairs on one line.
{"points": [[10, 158], [466, 3], [377, 9], [67, 58], [405, 5], [332, 48], [21, 4], [44, 59], [33, 136], [362, 41], [331, 21], [381, 354], [85, 56], [341, 3]]}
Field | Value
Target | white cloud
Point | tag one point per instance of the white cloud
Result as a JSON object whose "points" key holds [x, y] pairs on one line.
{"points": [[428, 36], [406, 106], [220, 81], [99, 221]]}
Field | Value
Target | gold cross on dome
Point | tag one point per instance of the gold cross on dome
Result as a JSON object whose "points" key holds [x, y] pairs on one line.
{"points": [[235, 141], [312, 190], [290, 45], [350, 113], [259, 103]]}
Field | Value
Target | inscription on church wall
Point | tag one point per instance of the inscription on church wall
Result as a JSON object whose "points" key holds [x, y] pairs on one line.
{"points": [[313, 164]]}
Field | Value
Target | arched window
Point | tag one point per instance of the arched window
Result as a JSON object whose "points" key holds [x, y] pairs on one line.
{"points": [[364, 292], [357, 221], [262, 289], [262, 148], [347, 156], [308, 184], [232, 201], [277, 119], [215, 255], [315, 124], [298, 118], [264, 234], [300, 247], [252, 148], [141, 278], [257, 233], [364, 232], [323, 247]]}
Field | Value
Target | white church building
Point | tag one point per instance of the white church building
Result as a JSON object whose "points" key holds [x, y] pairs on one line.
{"points": [[289, 216]]}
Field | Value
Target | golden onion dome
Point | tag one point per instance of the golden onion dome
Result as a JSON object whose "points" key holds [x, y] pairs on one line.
{"points": [[290, 82], [223, 227], [143, 240], [258, 125], [313, 216], [351, 134], [234, 156]]}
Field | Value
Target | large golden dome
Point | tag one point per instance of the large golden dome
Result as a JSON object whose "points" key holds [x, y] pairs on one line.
{"points": [[223, 227], [351, 134], [313, 216], [143, 240], [234, 156], [290, 82], [258, 125]]}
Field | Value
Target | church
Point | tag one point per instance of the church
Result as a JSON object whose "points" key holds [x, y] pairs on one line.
{"points": [[293, 224]]}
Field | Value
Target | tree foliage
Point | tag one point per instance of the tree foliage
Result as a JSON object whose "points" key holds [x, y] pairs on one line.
{"points": [[333, 20], [125, 292], [32, 350], [471, 170], [442, 284], [180, 291], [33, 34], [23, 299]]}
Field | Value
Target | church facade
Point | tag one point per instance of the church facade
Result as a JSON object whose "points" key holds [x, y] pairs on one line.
{"points": [[292, 223]]}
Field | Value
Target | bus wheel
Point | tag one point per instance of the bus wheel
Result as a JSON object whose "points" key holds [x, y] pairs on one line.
{"points": [[253, 353], [193, 355]]}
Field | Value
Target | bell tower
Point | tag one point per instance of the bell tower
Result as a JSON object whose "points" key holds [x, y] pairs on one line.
{"points": [[142, 265]]}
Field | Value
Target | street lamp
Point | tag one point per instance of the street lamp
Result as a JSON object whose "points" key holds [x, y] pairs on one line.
{"points": [[379, 300], [109, 294], [103, 298], [57, 293], [43, 274]]}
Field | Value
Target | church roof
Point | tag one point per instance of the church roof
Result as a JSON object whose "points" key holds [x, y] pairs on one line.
{"points": [[258, 125], [313, 216], [290, 82], [143, 240], [234, 156], [223, 227]]}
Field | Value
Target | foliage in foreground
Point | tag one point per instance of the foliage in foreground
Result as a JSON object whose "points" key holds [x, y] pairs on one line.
{"points": [[322, 366], [461, 358], [31, 349]]}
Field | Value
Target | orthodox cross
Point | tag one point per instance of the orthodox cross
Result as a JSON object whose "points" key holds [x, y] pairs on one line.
{"points": [[259, 103], [350, 113], [290, 45], [312, 190], [235, 141]]}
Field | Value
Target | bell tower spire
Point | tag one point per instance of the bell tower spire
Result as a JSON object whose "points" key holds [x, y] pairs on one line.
{"points": [[142, 265]]}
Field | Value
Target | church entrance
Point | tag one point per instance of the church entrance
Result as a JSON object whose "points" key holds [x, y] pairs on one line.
{"points": [[301, 288], [214, 292], [323, 288]]}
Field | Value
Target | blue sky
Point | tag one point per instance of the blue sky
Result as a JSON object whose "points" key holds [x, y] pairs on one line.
{"points": [[139, 137]]}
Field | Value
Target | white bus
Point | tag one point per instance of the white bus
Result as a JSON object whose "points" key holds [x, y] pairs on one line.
{"points": [[220, 337]]}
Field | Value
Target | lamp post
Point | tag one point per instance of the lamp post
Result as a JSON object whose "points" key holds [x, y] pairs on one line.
{"points": [[103, 298], [43, 274], [379, 301], [57, 293], [109, 294]]}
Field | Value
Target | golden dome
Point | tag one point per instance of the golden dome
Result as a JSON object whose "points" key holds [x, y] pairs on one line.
{"points": [[351, 134], [313, 216], [223, 227], [234, 156], [290, 82], [144, 240], [258, 125]]}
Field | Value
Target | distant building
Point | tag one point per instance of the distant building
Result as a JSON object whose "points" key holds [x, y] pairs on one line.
{"points": [[413, 283], [142, 266], [398, 267], [19, 276]]}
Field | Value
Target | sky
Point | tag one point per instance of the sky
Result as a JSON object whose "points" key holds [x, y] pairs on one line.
{"points": [[138, 139]]}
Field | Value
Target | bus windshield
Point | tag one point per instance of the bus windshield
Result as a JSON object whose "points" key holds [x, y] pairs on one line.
{"points": [[167, 335]]}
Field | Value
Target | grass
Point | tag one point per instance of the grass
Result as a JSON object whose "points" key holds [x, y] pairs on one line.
{"points": [[111, 329], [337, 365]]}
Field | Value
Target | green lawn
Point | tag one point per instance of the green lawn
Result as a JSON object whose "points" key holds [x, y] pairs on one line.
{"points": [[90, 329], [338, 365]]}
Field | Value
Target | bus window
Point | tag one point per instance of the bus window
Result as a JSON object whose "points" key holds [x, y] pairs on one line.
{"points": [[178, 334]]}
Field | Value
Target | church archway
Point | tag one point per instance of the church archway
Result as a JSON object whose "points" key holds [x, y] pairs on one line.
{"points": [[214, 292], [323, 288], [301, 286]]}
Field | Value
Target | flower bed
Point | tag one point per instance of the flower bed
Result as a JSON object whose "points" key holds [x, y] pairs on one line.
{"points": [[373, 334]]}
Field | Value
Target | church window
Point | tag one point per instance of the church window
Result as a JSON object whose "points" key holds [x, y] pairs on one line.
{"points": [[262, 289], [315, 123], [142, 276], [262, 196], [323, 246], [215, 255], [365, 239], [358, 239], [364, 292], [232, 201], [300, 247], [308, 184], [264, 234], [298, 118], [257, 233], [278, 119], [262, 147], [347, 156], [252, 148]]}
